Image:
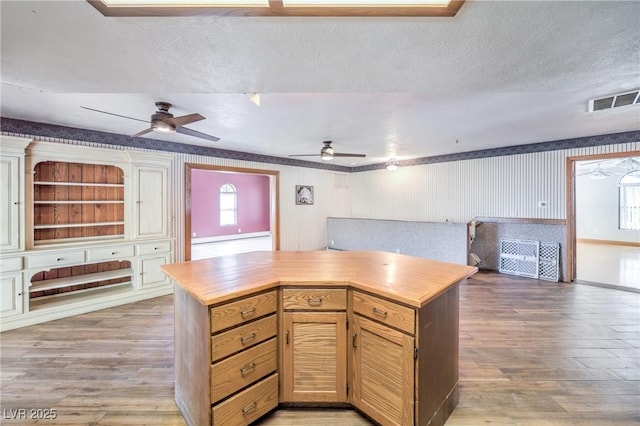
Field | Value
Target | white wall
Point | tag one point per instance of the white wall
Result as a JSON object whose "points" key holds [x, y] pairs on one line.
{"points": [[508, 186], [597, 210], [302, 227]]}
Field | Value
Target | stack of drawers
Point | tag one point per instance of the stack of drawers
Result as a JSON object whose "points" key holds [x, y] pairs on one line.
{"points": [[244, 359]]}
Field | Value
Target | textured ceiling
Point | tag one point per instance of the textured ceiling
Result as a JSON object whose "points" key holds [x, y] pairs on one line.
{"points": [[498, 74]]}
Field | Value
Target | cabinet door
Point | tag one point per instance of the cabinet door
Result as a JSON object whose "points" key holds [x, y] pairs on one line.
{"points": [[10, 294], [151, 215], [383, 372], [314, 357], [10, 189], [150, 272]]}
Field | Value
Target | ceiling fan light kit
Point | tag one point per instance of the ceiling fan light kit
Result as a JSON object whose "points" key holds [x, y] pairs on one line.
{"points": [[327, 153], [393, 165], [162, 121]]}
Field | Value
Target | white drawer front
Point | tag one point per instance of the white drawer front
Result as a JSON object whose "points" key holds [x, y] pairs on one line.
{"points": [[109, 253], [11, 264], [157, 247], [55, 259]]}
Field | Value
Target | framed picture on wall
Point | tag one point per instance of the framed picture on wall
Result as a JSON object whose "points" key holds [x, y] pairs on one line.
{"points": [[304, 194]]}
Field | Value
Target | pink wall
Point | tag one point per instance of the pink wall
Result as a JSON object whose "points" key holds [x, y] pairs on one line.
{"points": [[253, 203]]}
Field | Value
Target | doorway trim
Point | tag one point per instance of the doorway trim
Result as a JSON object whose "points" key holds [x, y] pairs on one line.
{"points": [[571, 203], [274, 203]]}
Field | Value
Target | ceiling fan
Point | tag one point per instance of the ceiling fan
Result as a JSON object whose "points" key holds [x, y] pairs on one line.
{"points": [[596, 173], [327, 153], [162, 121]]}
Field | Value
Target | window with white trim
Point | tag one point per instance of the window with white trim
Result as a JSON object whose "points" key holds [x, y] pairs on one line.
{"points": [[629, 201], [228, 205]]}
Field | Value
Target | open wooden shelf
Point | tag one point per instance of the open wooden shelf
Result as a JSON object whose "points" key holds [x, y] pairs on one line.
{"points": [[80, 279], [89, 294], [72, 201]]}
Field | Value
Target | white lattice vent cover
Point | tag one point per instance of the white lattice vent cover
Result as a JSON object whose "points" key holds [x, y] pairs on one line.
{"points": [[519, 257], [549, 268]]}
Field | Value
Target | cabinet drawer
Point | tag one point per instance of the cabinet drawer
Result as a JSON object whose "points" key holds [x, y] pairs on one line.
{"points": [[322, 299], [234, 313], [55, 259], [242, 369], [11, 264], [157, 247], [248, 405], [108, 253], [384, 311], [243, 337]]}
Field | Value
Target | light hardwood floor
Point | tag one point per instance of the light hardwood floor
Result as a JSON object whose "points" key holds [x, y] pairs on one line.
{"points": [[531, 353]]}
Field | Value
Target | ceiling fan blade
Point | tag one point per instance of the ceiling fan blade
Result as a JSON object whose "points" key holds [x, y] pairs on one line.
{"points": [[144, 132], [185, 119], [338, 154], [305, 155], [196, 134], [117, 115]]}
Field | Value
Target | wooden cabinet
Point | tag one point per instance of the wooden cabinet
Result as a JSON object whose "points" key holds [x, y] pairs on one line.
{"points": [[12, 202], [395, 343], [314, 345], [227, 365], [383, 371]]}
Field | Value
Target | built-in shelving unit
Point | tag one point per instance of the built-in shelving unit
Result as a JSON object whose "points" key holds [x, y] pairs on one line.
{"points": [[57, 284], [72, 201], [83, 228]]}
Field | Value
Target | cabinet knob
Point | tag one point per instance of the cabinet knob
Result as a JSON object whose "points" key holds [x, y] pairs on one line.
{"points": [[250, 408], [243, 314], [379, 312], [58, 259], [248, 368], [113, 253], [16, 203], [248, 338], [314, 301]]}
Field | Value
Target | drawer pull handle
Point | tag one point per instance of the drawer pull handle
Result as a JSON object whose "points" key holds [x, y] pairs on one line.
{"points": [[248, 312], [58, 259], [377, 311], [248, 338], [250, 408], [113, 253], [315, 301], [156, 248], [248, 368]]}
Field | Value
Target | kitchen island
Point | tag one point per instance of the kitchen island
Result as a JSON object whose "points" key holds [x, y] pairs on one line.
{"points": [[373, 330]]}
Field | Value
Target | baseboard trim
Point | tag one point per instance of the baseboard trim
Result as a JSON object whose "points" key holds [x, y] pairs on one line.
{"points": [[231, 237], [608, 242]]}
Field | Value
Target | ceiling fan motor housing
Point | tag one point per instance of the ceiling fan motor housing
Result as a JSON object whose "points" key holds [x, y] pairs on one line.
{"points": [[158, 120]]}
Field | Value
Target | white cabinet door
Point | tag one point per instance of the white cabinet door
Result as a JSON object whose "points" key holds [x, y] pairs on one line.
{"points": [[151, 208], [10, 294], [149, 270], [10, 190]]}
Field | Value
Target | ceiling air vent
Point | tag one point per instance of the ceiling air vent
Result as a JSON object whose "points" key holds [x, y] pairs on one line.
{"points": [[614, 101]]}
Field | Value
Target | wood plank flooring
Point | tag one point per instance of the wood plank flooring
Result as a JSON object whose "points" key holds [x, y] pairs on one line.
{"points": [[531, 353]]}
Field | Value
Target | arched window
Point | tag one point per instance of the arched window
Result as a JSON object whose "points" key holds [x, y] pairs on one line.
{"points": [[228, 205], [629, 201]]}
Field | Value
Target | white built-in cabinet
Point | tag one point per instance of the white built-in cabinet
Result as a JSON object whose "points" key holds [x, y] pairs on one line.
{"points": [[12, 153], [83, 229]]}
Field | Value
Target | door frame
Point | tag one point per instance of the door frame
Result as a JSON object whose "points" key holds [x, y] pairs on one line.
{"points": [[274, 200], [571, 203]]}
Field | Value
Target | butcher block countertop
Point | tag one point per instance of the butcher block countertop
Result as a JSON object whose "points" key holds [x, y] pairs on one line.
{"points": [[410, 280]]}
